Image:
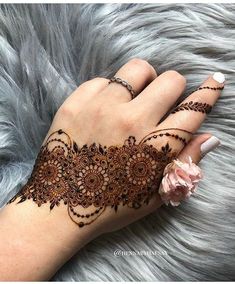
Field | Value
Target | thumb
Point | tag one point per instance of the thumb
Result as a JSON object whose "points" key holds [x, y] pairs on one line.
{"points": [[198, 147]]}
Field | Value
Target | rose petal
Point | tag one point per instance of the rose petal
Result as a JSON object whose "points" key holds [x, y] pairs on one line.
{"points": [[180, 181]]}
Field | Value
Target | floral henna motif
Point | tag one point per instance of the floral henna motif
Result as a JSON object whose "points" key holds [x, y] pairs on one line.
{"points": [[194, 106], [94, 177], [197, 106]]}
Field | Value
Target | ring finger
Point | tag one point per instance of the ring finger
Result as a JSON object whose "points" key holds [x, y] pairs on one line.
{"points": [[138, 73]]}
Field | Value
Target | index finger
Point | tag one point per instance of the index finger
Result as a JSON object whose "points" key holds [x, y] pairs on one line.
{"points": [[190, 114]]}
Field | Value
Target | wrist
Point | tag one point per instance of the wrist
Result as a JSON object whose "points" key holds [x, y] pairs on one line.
{"points": [[40, 240]]}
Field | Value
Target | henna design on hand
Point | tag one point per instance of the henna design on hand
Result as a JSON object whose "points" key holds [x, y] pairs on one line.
{"points": [[197, 106], [194, 106], [211, 88], [94, 177]]}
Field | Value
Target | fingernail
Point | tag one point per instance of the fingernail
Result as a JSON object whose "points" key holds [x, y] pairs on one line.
{"points": [[209, 145], [219, 77]]}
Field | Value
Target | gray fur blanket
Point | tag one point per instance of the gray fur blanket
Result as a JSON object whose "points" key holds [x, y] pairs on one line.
{"points": [[46, 51]]}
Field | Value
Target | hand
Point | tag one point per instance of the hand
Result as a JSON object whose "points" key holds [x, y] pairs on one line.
{"points": [[104, 155]]}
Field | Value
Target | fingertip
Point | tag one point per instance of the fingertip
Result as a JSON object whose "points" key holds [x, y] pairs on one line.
{"points": [[193, 149], [209, 145], [215, 82], [219, 77]]}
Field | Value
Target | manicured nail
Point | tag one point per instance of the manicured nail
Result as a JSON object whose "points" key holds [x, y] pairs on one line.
{"points": [[219, 77], [209, 145]]}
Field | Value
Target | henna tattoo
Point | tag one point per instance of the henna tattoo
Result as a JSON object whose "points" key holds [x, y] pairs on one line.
{"points": [[94, 177], [211, 88], [194, 106], [197, 106], [153, 135]]}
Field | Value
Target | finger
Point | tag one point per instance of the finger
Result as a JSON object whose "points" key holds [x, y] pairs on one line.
{"points": [[190, 114], [198, 147], [136, 72], [159, 96]]}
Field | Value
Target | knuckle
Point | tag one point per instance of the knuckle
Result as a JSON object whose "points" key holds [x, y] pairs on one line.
{"points": [[86, 84], [137, 60], [93, 83], [176, 75], [99, 79], [98, 111], [127, 124], [128, 121], [65, 110], [142, 65]]}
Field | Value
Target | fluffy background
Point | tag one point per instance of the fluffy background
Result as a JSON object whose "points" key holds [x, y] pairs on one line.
{"points": [[46, 51]]}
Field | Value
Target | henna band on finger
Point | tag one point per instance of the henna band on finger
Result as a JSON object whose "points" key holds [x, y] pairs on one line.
{"points": [[211, 88], [87, 179], [194, 106], [197, 106], [124, 84]]}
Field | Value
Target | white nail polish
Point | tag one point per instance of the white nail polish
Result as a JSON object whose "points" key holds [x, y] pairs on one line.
{"points": [[209, 145], [219, 77]]}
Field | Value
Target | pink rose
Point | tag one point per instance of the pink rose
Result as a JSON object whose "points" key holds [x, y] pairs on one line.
{"points": [[179, 181]]}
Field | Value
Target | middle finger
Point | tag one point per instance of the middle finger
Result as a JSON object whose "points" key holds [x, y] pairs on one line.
{"points": [[158, 97]]}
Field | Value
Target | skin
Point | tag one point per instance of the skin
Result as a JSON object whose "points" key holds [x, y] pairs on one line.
{"points": [[42, 240]]}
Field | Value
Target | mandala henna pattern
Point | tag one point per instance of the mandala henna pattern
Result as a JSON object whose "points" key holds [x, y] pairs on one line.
{"points": [[95, 176]]}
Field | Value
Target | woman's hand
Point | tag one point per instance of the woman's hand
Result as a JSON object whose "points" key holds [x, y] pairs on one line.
{"points": [[102, 160], [114, 186]]}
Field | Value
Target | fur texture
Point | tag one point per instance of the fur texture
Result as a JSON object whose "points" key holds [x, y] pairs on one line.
{"points": [[48, 50]]}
